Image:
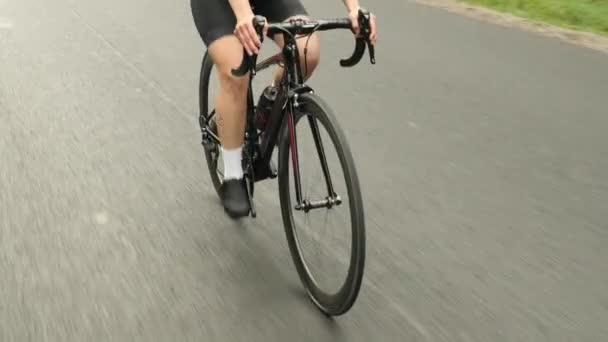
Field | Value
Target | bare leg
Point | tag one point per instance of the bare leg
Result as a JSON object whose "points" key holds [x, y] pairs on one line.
{"points": [[231, 106], [231, 101]]}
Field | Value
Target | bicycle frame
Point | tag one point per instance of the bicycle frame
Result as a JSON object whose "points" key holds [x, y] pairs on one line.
{"points": [[293, 102], [282, 113]]}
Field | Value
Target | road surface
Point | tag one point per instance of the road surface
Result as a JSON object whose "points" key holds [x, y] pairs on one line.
{"points": [[482, 153]]}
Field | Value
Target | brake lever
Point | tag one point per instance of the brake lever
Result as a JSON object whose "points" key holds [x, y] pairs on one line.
{"points": [[248, 63], [365, 22], [372, 52]]}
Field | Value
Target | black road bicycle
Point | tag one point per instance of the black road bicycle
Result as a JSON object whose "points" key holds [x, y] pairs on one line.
{"points": [[294, 102]]}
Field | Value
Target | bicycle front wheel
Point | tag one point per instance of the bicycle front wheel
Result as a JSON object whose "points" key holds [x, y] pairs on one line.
{"points": [[321, 205]]}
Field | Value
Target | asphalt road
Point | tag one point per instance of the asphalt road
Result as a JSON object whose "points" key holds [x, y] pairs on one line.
{"points": [[482, 153]]}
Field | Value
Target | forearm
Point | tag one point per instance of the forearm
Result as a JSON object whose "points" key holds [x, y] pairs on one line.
{"points": [[351, 4], [242, 8]]}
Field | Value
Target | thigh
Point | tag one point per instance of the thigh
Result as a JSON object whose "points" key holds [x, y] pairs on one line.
{"points": [[214, 19]]}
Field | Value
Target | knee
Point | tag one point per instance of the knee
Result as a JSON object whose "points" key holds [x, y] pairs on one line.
{"points": [[227, 53], [310, 53], [233, 84], [312, 58]]}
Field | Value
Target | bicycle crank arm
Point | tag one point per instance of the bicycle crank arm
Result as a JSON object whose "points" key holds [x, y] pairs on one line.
{"points": [[328, 203], [250, 197]]}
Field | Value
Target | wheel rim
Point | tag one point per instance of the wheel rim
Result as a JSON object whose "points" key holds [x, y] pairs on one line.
{"points": [[215, 152], [212, 150], [323, 236]]}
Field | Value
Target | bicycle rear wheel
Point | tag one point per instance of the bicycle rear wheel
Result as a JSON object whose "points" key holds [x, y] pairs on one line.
{"points": [[207, 120], [348, 249]]}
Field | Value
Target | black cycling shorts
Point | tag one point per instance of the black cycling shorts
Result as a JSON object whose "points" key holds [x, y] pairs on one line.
{"points": [[215, 19]]}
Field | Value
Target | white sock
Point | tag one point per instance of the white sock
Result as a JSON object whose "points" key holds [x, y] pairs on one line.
{"points": [[233, 169]]}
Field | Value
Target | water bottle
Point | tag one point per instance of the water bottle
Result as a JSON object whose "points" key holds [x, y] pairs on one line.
{"points": [[265, 107]]}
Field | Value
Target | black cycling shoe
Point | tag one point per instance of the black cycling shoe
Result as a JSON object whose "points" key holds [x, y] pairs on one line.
{"points": [[234, 198]]}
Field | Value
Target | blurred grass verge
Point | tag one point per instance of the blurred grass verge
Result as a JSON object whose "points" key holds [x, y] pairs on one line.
{"points": [[583, 15]]}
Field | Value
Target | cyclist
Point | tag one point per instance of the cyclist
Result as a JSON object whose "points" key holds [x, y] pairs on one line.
{"points": [[226, 27]]}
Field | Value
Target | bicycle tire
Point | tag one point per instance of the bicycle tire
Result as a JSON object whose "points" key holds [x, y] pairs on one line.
{"points": [[209, 120], [341, 301]]}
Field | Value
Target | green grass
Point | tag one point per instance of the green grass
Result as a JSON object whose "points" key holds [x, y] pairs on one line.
{"points": [[585, 15]]}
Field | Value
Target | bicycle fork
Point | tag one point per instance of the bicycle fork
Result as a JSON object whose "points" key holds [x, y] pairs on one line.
{"points": [[332, 198]]}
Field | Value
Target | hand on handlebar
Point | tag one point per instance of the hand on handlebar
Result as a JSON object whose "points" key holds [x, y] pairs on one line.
{"points": [[251, 33], [246, 33], [355, 19], [364, 26]]}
